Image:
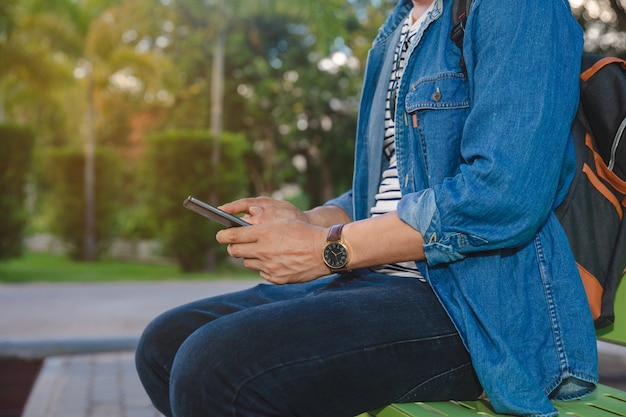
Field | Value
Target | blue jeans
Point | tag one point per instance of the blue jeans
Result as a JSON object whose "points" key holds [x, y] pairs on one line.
{"points": [[336, 346]]}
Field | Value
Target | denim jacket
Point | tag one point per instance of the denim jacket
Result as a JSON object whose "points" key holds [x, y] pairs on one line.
{"points": [[483, 160]]}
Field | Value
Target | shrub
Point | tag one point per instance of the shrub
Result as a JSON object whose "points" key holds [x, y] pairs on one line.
{"points": [[16, 150], [178, 164], [64, 169]]}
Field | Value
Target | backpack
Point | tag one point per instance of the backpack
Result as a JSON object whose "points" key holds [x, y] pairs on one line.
{"points": [[592, 213]]}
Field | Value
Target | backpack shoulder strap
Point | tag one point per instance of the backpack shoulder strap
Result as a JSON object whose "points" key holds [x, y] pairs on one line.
{"points": [[460, 12], [590, 72]]}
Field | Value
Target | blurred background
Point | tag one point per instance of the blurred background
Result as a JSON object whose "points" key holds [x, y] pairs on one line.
{"points": [[113, 111]]}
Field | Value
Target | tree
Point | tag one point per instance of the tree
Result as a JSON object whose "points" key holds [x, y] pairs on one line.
{"points": [[113, 71], [26, 66], [108, 63], [209, 26], [257, 72], [297, 107], [221, 16]]}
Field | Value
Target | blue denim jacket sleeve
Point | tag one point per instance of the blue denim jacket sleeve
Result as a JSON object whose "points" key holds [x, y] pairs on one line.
{"points": [[522, 63], [345, 202]]}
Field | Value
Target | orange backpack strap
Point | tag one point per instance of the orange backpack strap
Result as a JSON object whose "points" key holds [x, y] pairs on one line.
{"points": [[586, 75]]}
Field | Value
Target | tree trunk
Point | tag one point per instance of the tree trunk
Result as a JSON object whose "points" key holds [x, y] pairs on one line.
{"points": [[2, 108], [217, 95], [217, 110], [90, 250]]}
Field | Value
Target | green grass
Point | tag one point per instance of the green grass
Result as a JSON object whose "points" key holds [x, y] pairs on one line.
{"points": [[46, 267]]}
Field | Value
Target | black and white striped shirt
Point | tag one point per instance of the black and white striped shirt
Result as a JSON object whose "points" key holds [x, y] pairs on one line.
{"points": [[389, 193]]}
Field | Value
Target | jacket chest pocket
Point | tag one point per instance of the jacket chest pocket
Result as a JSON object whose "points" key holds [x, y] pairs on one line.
{"points": [[437, 107], [446, 90]]}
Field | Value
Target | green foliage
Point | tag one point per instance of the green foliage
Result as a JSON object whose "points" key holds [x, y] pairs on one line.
{"points": [[143, 66], [311, 107], [64, 169], [7, 18], [16, 149], [177, 164]]}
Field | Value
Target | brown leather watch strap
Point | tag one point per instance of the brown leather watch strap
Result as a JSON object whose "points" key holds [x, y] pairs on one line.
{"points": [[334, 234]]}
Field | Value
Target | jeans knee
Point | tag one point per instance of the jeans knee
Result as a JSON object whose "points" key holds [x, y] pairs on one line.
{"points": [[151, 339], [163, 336], [199, 383], [154, 357], [216, 373]]}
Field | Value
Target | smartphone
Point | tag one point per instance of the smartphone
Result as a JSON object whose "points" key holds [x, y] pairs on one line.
{"points": [[213, 213]]}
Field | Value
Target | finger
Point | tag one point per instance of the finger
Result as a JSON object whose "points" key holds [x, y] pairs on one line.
{"points": [[268, 276], [256, 265], [271, 279], [245, 251], [237, 206], [236, 235], [244, 205]]}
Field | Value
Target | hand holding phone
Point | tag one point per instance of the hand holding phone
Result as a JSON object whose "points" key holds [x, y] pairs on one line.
{"points": [[213, 213]]}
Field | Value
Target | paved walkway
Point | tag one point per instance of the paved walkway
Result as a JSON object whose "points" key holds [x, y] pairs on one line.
{"points": [[88, 332], [92, 385]]}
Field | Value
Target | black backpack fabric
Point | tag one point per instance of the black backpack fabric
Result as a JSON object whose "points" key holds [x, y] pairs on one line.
{"points": [[592, 213]]}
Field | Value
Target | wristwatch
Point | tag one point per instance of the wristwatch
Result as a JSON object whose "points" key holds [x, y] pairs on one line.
{"points": [[335, 252]]}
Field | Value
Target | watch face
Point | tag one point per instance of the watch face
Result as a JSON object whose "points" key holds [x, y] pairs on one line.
{"points": [[335, 255]]}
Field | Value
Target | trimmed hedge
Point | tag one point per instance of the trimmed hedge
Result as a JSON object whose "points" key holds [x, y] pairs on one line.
{"points": [[16, 152], [178, 164], [64, 168]]}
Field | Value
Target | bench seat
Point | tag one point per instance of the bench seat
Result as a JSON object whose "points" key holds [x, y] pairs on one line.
{"points": [[604, 402]]}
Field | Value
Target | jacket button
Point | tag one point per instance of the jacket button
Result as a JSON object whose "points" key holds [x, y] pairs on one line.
{"points": [[437, 95]]}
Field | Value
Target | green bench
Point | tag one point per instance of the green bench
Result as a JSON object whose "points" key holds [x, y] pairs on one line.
{"points": [[604, 402]]}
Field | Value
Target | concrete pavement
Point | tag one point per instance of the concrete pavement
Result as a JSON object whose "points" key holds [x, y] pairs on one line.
{"points": [[90, 385], [87, 333], [95, 310]]}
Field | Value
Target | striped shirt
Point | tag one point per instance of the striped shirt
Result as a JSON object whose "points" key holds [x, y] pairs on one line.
{"points": [[389, 193]]}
